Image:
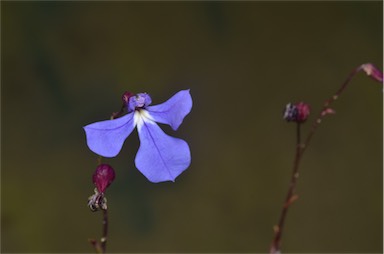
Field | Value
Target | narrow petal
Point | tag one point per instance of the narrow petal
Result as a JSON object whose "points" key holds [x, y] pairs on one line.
{"points": [[172, 111], [107, 137], [161, 157]]}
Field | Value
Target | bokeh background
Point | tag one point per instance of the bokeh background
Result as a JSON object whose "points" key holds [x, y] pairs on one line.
{"points": [[66, 64]]}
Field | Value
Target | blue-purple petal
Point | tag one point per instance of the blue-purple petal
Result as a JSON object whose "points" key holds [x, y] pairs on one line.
{"points": [[161, 157], [172, 111], [106, 138]]}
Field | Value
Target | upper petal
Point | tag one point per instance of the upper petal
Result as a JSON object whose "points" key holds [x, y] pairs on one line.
{"points": [[174, 110], [107, 137], [161, 157]]}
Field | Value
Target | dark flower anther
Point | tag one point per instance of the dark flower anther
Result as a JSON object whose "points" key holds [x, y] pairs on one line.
{"points": [[297, 112], [103, 177]]}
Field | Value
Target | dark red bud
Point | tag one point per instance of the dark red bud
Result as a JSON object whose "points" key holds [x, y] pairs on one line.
{"points": [[303, 111], [103, 177], [297, 112], [126, 96]]}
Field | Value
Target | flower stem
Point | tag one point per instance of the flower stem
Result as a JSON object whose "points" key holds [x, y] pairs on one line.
{"points": [[103, 239], [101, 246], [291, 197], [300, 149], [325, 110]]}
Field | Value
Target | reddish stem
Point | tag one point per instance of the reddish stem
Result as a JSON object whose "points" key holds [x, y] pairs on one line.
{"points": [[300, 149], [326, 105], [101, 246], [103, 239], [291, 197]]}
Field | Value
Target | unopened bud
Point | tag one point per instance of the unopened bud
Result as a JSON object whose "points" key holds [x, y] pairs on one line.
{"points": [[373, 72], [303, 111], [125, 97], [298, 112], [103, 177]]}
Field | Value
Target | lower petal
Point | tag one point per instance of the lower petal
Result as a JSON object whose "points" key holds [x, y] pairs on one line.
{"points": [[106, 138], [161, 157]]}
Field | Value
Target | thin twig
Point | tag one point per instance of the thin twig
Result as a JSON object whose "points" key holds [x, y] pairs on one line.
{"points": [[101, 245], [290, 198], [326, 106]]}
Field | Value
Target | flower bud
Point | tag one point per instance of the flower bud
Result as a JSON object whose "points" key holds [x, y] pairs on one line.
{"points": [[298, 112], [103, 177], [125, 97], [373, 72], [303, 111]]}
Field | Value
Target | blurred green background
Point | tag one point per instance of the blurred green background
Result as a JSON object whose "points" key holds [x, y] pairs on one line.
{"points": [[66, 64]]}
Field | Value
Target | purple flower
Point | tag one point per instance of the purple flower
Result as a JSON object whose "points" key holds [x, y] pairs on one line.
{"points": [[160, 157]]}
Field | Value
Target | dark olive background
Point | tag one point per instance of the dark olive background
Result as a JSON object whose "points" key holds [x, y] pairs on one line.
{"points": [[66, 64]]}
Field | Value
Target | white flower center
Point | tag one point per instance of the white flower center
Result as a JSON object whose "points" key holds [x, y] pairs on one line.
{"points": [[142, 116]]}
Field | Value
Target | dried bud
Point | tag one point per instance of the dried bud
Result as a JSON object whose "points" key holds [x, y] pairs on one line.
{"points": [[373, 72], [97, 201], [103, 177], [298, 112], [290, 112]]}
